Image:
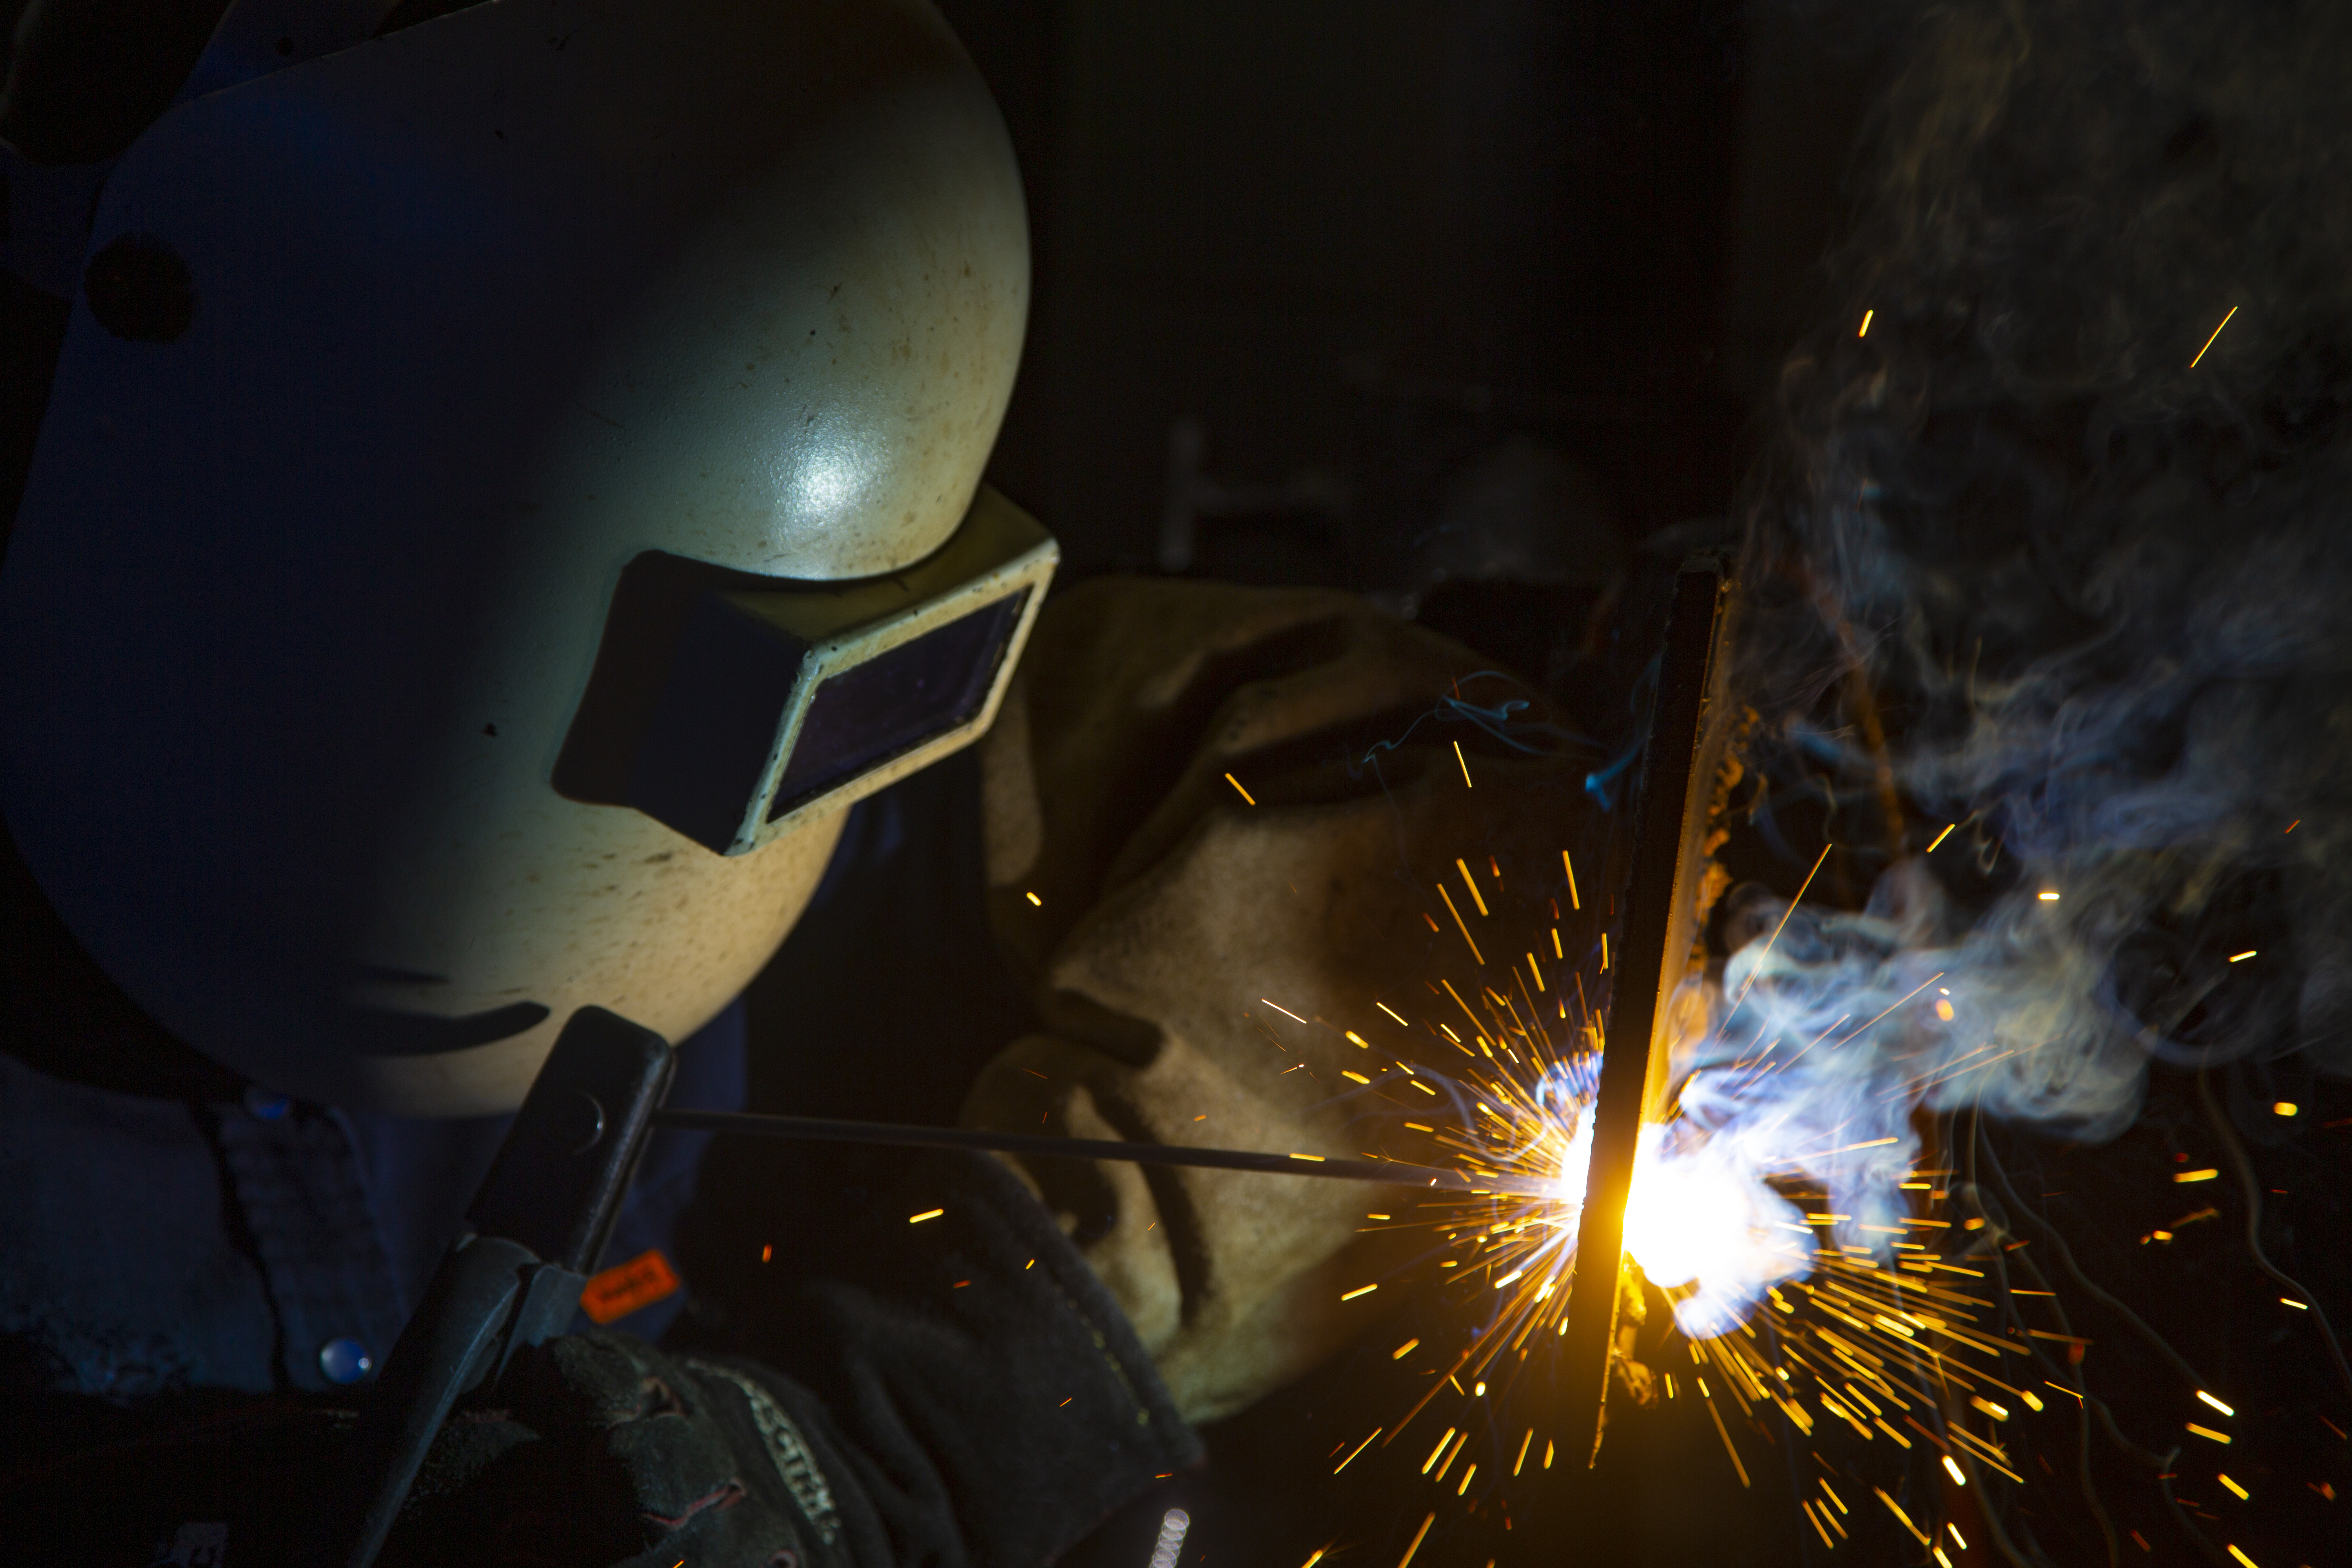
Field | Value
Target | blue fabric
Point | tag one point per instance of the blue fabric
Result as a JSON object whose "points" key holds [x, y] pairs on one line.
{"points": [[151, 1244], [305, 1218], [154, 1245], [122, 1273]]}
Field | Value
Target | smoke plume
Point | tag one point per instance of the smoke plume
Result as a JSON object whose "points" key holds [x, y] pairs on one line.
{"points": [[2014, 563]]}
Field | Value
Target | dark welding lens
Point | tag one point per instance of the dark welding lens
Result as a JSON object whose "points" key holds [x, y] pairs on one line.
{"points": [[874, 711], [728, 707]]}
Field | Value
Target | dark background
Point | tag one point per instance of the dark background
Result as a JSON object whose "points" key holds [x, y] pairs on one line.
{"points": [[1469, 306], [1370, 253]]}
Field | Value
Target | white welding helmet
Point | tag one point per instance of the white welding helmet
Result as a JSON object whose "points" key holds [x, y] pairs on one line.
{"points": [[509, 486]]}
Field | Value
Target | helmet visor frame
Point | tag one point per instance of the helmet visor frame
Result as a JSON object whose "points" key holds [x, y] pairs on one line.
{"points": [[733, 708]]}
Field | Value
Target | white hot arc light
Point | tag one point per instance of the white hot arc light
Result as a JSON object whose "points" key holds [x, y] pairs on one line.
{"points": [[1700, 1219]]}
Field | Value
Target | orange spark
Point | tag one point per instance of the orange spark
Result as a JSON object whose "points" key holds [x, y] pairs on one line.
{"points": [[1458, 921], [2192, 364], [1406, 1560], [1471, 883]]}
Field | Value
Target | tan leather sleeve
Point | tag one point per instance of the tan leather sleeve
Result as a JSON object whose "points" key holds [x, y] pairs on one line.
{"points": [[1201, 960]]}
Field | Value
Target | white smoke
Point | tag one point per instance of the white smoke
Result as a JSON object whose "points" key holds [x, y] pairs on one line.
{"points": [[2014, 565]]}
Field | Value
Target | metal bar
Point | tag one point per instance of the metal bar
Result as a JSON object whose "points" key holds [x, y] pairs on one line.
{"points": [[824, 1129], [1669, 811]]}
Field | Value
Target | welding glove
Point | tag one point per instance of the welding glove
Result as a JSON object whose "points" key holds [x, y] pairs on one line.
{"points": [[606, 1451], [1217, 823]]}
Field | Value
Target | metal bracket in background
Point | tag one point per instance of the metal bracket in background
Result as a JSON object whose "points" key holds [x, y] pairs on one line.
{"points": [[1689, 726], [539, 1223]]}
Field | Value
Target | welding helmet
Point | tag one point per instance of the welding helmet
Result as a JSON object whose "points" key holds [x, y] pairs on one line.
{"points": [[508, 484]]}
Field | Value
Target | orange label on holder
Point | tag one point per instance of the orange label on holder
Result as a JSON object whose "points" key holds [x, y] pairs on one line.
{"points": [[626, 1287]]}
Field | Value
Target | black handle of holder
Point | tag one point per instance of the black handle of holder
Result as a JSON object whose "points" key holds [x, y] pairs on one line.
{"points": [[540, 1221], [557, 1183]]}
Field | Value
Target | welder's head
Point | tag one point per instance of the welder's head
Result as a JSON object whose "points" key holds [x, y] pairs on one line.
{"points": [[507, 487]]}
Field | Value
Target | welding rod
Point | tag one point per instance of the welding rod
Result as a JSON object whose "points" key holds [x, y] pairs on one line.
{"points": [[824, 1129]]}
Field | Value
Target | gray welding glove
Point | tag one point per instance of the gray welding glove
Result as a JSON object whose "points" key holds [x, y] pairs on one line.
{"points": [[603, 1450]]}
